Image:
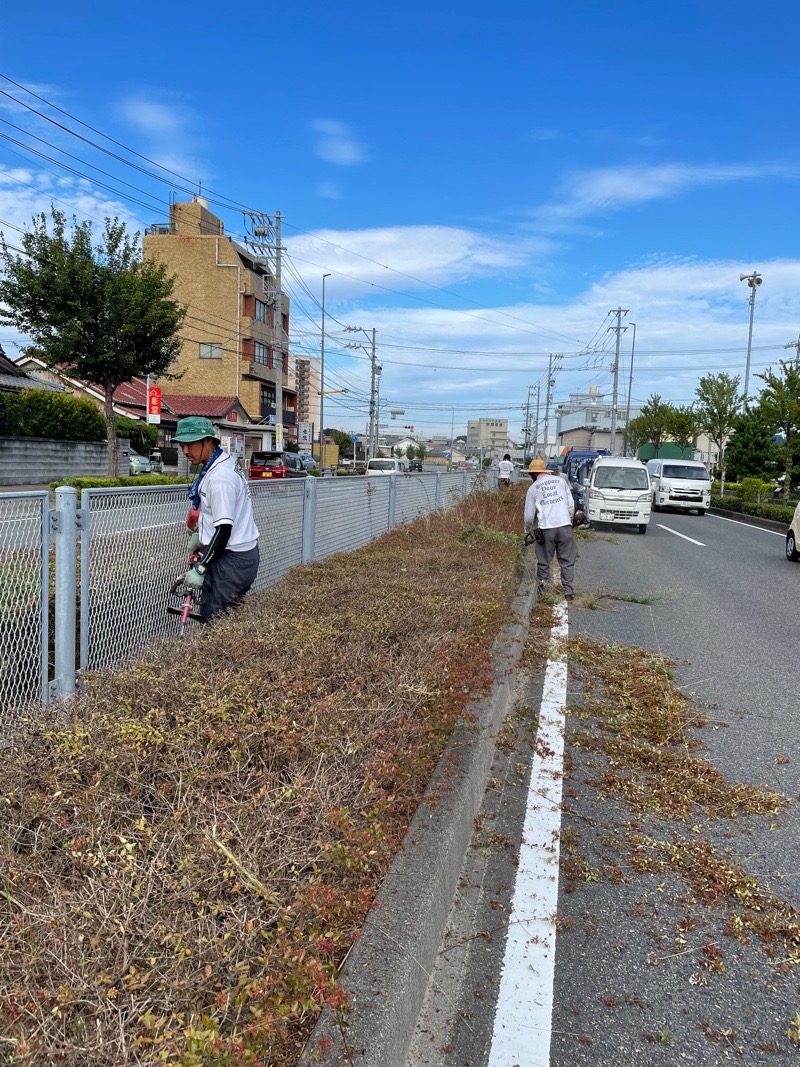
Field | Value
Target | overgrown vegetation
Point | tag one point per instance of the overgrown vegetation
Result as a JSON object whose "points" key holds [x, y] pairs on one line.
{"points": [[58, 416], [184, 865], [88, 482]]}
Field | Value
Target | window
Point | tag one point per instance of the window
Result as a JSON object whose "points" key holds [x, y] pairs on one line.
{"points": [[261, 311], [210, 350], [262, 354]]}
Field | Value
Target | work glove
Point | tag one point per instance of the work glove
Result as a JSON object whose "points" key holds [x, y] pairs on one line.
{"points": [[194, 544], [193, 579]]}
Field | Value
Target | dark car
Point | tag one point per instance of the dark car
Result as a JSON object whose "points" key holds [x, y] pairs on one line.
{"points": [[415, 465], [276, 465]]}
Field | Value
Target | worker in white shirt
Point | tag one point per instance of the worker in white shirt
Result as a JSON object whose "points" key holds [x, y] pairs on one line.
{"points": [[505, 469], [550, 506]]}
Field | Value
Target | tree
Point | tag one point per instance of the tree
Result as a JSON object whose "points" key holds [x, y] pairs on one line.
{"points": [[635, 435], [654, 420], [683, 426], [343, 440], [100, 310], [780, 402], [751, 452], [420, 452], [718, 403]]}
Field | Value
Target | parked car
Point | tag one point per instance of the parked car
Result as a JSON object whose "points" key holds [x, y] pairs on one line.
{"points": [[618, 491], [386, 466], [308, 461], [415, 465], [138, 464], [156, 462], [276, 465], [793, 537]]}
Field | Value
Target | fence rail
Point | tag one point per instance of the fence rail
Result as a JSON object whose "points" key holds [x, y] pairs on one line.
{"points": [[116, 556]]}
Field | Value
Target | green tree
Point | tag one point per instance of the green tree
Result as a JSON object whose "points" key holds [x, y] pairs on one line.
{"points": [[780, 402], [635, 435], [751, 452], [420, 452], [340, 438], [142, 436], [654, 420], [718, 403], [100, 310], [683, 426]]}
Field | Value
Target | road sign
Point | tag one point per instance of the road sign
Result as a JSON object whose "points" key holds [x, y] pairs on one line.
{"points": [[447, 455], [354, 440]]}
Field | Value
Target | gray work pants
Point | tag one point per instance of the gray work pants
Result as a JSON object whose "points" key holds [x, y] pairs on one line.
{"points": [[227, 581], [560, 542]]}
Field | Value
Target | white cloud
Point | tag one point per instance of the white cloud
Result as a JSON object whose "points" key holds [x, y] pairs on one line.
{"points": [[612, 188], [336, 143], [431, 254], [166, 131], [328, 191]]}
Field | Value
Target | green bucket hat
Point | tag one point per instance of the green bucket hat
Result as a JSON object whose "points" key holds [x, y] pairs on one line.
{"points": [[195, 428]]}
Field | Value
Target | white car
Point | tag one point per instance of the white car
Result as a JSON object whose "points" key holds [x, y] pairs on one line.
{"points": [[618, 491], [793, 537], [386, 466]]}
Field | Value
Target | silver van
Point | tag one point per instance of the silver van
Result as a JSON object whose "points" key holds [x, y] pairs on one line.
{"points": [[617, 490], [680, 483]]}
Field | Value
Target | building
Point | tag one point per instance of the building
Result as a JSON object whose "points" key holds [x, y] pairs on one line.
{"points": [[584, 421], [304, 380], [14, 377], [487, 435], [235, 338]]}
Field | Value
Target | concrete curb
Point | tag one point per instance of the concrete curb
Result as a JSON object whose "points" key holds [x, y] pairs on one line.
{"points": [[750, 520], [386, 974]]}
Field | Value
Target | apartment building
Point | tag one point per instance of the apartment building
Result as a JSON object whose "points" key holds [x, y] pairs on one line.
{"points": [[487, 434], [304, 380], [235, 338]]}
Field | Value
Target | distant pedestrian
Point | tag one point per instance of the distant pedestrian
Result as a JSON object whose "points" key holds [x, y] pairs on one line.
{"points": [[221, 516], [505, 469], [550, 506]]}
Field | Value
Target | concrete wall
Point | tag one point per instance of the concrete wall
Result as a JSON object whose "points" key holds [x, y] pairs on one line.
{"points": [[38, 460]]}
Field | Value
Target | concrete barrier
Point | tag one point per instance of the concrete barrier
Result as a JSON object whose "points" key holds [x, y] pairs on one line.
{"points": [[387, 972], [38, 460]]}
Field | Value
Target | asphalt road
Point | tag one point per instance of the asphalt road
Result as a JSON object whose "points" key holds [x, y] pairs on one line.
{"points": [[634, 982]]}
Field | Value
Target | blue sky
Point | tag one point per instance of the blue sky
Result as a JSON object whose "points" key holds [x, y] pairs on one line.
{"points": [[483, 182]]}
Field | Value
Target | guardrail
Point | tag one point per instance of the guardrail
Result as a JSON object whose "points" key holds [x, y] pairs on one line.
{"points": [[116, 556]]}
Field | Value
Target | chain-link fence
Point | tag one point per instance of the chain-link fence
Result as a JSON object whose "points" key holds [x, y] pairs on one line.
{"points": [[132, 545], [24, 600]]}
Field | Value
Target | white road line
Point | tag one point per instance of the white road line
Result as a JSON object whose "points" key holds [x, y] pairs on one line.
{"points": [[670, 530], [749, 525], [524, 1016]]}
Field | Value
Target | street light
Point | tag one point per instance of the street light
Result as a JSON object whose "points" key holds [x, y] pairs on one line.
{"points": [[753, 280], [322, 382]]}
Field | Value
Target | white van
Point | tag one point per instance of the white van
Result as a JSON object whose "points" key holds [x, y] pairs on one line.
{"points": [[386, 466], [618, 491], [680, 483]]}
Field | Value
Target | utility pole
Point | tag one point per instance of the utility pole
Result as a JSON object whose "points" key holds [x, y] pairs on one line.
{"points": [[536, 426], [526, 429], [796, 346], [618, 330], [264, 241], [322, 382], [372, 389], [630, 389], [753, 280], [552, 366]]}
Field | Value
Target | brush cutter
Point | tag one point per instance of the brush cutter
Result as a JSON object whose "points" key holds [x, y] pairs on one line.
{"points": [[190, 597]]}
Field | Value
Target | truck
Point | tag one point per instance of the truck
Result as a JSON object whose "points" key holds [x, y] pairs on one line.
{"points": [[577, 464]]}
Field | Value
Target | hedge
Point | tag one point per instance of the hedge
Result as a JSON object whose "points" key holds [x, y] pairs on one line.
{"points": [[115, 483], [776, 512], [57, 416]]}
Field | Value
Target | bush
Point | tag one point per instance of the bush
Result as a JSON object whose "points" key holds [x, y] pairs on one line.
{"points": [[775, 512], [142, 436], [115, 483], [58, 416], [754, 490]]}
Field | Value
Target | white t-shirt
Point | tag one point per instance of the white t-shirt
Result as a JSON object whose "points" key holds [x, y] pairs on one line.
{"points": [[225, 498], [549, 501], [505, 468]]}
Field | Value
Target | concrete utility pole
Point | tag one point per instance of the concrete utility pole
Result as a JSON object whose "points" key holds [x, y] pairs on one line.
{"points": [[552, 366], [618, 330], [322, 381], [630, 390], [753, 280], [527, 427], [796, 346], [536, 427], [372, 441]]}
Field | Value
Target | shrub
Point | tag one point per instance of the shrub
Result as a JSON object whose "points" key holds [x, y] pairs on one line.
{"points": [[143, 437], [58, 416], [774, 512], [80, 482], [754, 490]]}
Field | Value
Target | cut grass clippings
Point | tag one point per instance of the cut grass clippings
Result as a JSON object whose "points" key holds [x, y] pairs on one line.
{"points": [[184, 866]]}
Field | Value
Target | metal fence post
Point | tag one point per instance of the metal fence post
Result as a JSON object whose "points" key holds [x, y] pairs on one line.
{"points": [[438, 504], [64, 527], [392, 498], [308, 550]]}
